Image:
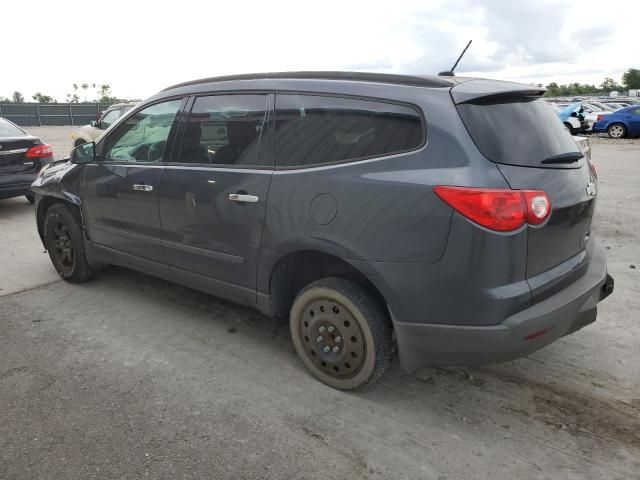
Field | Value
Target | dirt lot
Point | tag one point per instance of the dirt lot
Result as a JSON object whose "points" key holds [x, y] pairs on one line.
{"points": [[128, 376]]}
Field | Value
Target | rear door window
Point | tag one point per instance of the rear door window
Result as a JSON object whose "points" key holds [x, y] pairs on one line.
{"points": [[8, 129], [521, 131], [317, 129], [226, 130]]}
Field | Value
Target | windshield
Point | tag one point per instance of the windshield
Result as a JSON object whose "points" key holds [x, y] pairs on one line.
{"points": [[517, 131], [8, 129]]}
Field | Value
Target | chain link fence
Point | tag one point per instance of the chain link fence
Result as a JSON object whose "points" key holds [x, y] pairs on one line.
{"points": [[46, 114]]}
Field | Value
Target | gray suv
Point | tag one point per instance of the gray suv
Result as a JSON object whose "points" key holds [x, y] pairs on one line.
{"points": [[448, 218]]}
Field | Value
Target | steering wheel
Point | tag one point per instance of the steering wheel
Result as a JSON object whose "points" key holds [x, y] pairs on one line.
{"points": [[156, 150]]}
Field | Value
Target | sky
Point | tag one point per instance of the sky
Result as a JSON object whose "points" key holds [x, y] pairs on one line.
{"points": [[140, 47]]}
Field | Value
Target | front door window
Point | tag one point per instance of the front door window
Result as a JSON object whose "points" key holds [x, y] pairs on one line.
{"points": [[142, 137]]}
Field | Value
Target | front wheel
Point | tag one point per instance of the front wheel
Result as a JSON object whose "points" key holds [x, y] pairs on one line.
{"points": [[569, 128], [341, 333], [617, 130], [64, 240]]}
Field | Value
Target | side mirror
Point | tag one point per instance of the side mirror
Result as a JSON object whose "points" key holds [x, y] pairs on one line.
{"points": [[85, 153], [574, 114], [94, 124]]}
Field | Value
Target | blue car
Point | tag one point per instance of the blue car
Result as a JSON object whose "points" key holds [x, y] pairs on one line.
{"points": [[620, 124]]}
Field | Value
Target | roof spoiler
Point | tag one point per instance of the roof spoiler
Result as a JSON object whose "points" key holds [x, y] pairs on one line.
{"points": [[487, 90]]}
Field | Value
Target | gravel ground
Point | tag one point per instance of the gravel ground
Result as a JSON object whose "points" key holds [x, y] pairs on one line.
{"points": [[128, 376], [603, 139]]}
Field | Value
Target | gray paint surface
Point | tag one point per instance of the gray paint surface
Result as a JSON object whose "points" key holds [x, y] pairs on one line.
{"points": [[130, 375], [417, 252]]}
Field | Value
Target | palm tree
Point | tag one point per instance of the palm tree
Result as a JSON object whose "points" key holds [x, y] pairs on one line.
{"points": [[85, 87]]}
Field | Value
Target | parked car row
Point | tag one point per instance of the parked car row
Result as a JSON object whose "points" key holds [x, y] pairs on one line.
{"points": [[617, 119], [316, 198]]}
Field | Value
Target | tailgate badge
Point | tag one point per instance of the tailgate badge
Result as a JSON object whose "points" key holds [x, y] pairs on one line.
{"points": [[591, 189]]}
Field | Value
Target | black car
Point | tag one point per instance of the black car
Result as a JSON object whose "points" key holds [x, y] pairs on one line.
{"points": [[21, 158], [449, 216]]}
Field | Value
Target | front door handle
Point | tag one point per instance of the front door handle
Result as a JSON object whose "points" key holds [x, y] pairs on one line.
{"points": [[239, 197], [142, 187]]}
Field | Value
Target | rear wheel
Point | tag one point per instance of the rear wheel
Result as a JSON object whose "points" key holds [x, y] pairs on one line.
{"points": [[341, 333], [64, 241], [79, 142], [617, 130]]}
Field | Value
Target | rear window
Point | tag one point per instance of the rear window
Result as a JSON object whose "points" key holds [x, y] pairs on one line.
{"points": [[10, 130], [316, 129], [520, 131]]}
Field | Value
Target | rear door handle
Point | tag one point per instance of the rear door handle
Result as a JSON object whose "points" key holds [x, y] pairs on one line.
{"points": [[239, 197], [142, 188]]}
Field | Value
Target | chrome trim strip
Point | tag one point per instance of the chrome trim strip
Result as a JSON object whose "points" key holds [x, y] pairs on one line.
{"points": [[217, 168], [203, 251], [126, 234], [8, 152]]}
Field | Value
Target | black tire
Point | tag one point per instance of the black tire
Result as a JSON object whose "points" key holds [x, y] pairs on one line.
{"points": [[569, 128], [29, 196], [617, 130], [64, 240], [361, 333], [79, 142]]}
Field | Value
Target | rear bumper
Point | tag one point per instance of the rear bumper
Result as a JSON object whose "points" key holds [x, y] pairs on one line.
{"points": [[16, 185], [565, 312]]}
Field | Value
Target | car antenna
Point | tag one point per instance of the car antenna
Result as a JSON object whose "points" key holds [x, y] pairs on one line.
{"points": [[449, 73]]}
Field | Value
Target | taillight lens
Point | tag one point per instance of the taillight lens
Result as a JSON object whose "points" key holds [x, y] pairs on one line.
{"points": [[593, 170], [599, 118], [538, 206], [501, 210], [39, 151]]}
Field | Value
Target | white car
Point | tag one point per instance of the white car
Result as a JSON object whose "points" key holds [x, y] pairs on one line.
{"points": [[89, 133], [590, 112], [572, 124]]}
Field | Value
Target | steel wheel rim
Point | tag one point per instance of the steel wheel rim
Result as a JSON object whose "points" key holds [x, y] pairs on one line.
{"points": [[332, 338], [62, 246]]}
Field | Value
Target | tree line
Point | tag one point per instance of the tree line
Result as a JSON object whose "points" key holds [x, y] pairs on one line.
{"points": [[630, 80], [90, 92], [102, 93]]}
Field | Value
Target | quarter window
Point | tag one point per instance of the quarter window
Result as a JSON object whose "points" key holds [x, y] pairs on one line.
{"points": [[226, 130], [143, 136], [313, 129]]}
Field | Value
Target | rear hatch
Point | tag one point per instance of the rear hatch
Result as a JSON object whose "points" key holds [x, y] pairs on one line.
{"points": [[12, 155], [514, 128]]}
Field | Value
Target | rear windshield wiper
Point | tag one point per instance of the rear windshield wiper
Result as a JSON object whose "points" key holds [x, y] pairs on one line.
{"points": [[563, 158]]}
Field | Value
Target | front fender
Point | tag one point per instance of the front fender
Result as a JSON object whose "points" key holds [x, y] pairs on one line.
{"points": [[60, 182]]}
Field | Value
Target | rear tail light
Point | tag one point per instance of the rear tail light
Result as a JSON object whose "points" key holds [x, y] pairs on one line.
{"points": [[538, 206], [39, 151], [502, 210], [599, 118], [593, 170]]}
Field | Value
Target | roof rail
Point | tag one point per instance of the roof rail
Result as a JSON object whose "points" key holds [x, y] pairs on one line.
{"points": [[414, 80]]}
